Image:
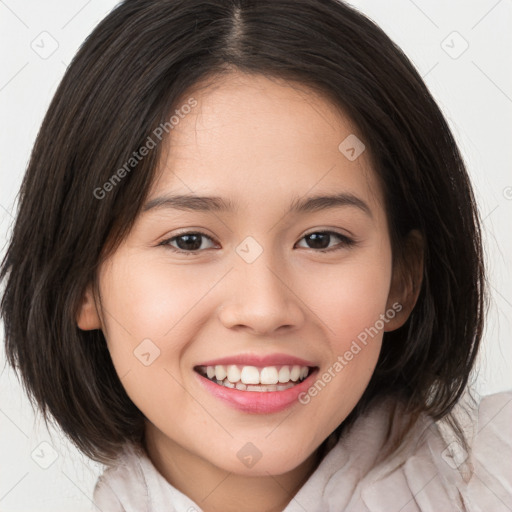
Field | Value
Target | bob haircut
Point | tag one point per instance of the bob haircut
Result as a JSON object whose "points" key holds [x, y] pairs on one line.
{"points": [[124, 82]]}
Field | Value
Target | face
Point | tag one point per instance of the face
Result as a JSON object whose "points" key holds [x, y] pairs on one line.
{"points": [[254, 283]]}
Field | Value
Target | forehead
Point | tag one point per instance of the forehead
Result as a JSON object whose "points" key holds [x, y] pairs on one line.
{"points": [[254, 139]]}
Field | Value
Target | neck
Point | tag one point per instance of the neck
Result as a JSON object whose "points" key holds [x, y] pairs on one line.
{"points": [[218, 490]]}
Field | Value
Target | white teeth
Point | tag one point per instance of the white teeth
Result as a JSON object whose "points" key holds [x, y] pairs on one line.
{"points": [[269, 378], [233, 373], [282, 387], [294, 374], [220, 372], [269, 375], [254, 387], [284, 374], [251, 387], [250, 375]]}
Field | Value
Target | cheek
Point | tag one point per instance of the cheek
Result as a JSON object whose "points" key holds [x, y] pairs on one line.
{"points": [[349, 301], [147, 301], [145, 312], [349, 298]]}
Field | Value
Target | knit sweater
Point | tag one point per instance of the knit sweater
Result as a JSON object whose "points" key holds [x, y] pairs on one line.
{"points": [[429, 473]]}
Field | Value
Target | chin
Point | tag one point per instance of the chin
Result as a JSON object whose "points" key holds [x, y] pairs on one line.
{"points": [[263, 458]]}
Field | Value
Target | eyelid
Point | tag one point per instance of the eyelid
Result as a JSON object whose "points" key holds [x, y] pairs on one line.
{"points": [[336, 231]]}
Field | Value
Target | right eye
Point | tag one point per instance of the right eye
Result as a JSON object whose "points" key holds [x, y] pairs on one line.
{"points": [[189, 242]]}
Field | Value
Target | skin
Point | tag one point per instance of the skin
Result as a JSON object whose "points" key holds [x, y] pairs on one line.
{"points": [[259, 142]]}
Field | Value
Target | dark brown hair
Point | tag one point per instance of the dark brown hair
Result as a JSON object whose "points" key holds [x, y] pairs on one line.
{"points": [[132, 70]]}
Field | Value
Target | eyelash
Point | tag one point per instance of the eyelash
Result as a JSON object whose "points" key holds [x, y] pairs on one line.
{"points": [[345, 242]]}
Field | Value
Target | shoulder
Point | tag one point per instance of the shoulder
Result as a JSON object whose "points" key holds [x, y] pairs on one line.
{"points": [[435, 472], [490, 456], [122, 486], [133, 484], [430, 471]]}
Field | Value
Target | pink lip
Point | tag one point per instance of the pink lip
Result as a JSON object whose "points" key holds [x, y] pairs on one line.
{"points": [[264, 402], [260, 361]]}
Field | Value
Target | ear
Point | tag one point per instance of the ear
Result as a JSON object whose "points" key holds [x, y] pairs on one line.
{"points": [[87, 317], [407, 279]]}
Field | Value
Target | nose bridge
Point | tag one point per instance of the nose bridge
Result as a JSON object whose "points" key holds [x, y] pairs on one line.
{"points": [[259, 297]]}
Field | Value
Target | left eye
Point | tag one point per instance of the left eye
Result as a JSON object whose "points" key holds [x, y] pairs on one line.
{"points": [[191, 242], [319, 239]]}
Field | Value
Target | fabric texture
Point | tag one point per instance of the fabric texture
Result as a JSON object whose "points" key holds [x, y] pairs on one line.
{"points": [[429, 473]]}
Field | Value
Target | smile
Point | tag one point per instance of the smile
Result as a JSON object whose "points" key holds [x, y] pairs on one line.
{"points": [[253, 378], [257, 385]]}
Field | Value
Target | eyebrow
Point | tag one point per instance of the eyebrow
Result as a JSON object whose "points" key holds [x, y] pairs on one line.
{"points": [[298, 205]]}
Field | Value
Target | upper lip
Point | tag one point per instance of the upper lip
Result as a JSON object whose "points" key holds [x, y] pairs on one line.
{"points": [[259, 360]]}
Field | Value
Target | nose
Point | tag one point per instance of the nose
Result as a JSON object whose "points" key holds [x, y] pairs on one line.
{"points": [[261, 299]]}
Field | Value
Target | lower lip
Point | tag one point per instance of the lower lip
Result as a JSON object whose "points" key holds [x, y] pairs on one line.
{"points": [[258, 402]]}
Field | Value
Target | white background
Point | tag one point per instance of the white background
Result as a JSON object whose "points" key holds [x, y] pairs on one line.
{"points": [[474, 90]]}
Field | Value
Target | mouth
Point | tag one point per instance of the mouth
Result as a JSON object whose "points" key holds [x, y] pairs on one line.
{"points": [[256, 379], [256, 389]]}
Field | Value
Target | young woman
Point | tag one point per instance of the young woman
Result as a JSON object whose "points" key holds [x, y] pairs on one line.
{"points": [[246, 272]]}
